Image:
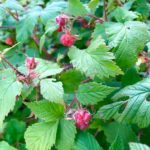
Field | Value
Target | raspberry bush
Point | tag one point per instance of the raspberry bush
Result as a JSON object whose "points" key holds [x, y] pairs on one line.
{"points": [[74, 75]]}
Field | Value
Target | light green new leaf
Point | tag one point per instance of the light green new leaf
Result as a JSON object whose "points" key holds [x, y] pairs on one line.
{"points": [[122, 15], [117, 144], [5, 146], [92, 93], [128, 40], [74, 6], [93, 4], [136, 109], [46, 68], [47, 111], [96, 60], [51, 90], [66, 135], [9, 89], [138, 146], [41, 136], [86, 141]]}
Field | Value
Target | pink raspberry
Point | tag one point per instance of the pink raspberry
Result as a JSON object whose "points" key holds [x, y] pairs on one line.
{"points": [[30, 63], [67, 39], [9, 41], [82, 118], [62, 20]]}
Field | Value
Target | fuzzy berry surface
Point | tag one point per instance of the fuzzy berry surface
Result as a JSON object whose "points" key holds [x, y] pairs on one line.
{"points": [[9, 41], [30, 63], [82, 118], [68, 39]]}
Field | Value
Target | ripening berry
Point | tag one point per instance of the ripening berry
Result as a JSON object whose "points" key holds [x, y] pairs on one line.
{"points": [[30, 63], [61, 20], [82, 118], [67, 39], [9, 41]]}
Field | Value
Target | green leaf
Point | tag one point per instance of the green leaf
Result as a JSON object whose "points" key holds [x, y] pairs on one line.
{"points": [[51, 90], [128, 40], [12, 5], [92, 93], [42, 41], [74, 6], [52, 10], [95, 60], [122, 15], [46, 68], [135, 109], [41, 136], [71, 79], [93, 4], [138, 146], [47, 111], [86, 141], [9, 89], [66, 135], [5, 146], [117, 144], [14, 131], [115, 129], [25, 27]]}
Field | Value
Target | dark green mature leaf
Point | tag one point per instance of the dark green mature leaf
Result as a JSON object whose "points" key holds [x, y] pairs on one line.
{"points": [[14, 131], [47, 111], [71, 79], [86, 141], [9, 89], [47, 68], [5, 146], [114, 129], [136, 109], [138, 146], [66, 135], [51, 90], [76, 8], [117, 144], [92, 93], [128, 40], [95, 60], [41, 136]]}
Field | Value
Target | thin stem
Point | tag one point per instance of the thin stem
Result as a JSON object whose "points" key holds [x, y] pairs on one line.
{"points": [[7, 27], [105, 11], [37, 42], [15, 69], [86, 80], [95, 17]]}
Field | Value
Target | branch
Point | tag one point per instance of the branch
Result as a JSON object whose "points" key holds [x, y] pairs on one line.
{"points": [[105, 11], [7, 27], [9, 64], [95, 17]]}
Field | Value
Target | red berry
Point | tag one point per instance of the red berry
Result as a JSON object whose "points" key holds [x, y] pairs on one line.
{"points": [[62, 20], [67, 39], [9, 41], [82, 118], [30, 63]]}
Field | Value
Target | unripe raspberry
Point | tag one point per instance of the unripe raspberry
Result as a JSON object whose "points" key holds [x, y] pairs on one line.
{"points": [[30, 63], [67, 39], [9, 41], [82, 118], [62, 20]]}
